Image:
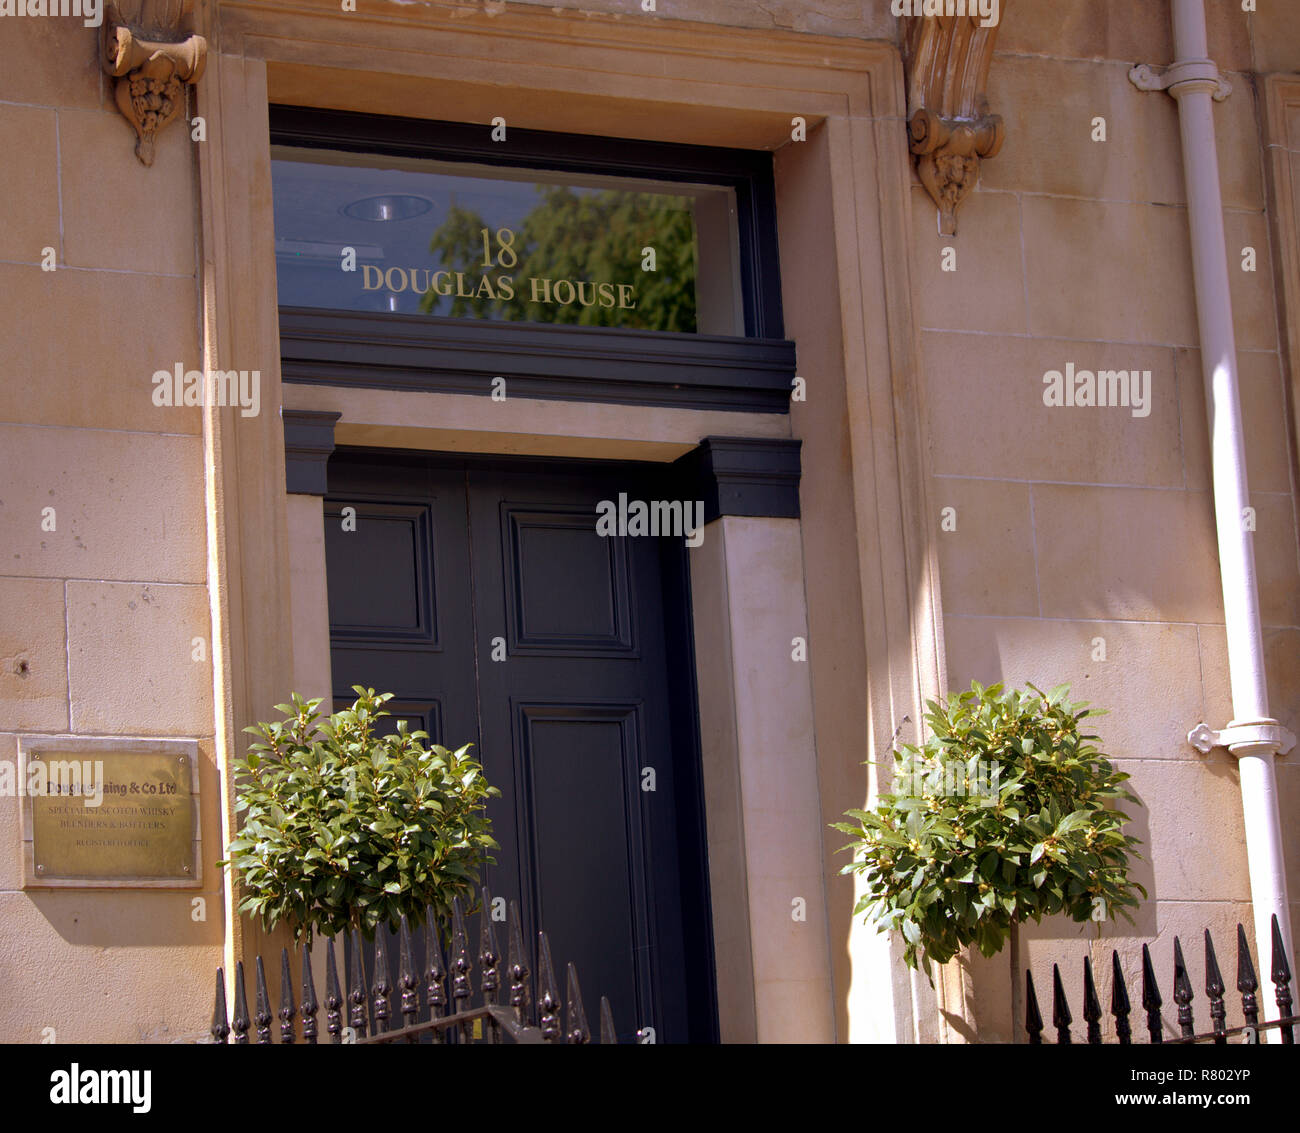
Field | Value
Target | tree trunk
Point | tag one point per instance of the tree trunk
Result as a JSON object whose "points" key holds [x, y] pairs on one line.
{"points": [[1017, 994]]}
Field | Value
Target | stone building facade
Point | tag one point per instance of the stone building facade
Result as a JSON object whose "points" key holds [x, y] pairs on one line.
{"points": [[177, 591]]}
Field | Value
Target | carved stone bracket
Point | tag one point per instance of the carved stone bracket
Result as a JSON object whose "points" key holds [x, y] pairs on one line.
{"points": [[950, 128], [152, 60]]}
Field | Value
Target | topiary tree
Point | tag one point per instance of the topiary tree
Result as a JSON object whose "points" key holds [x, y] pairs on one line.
{"points": [[1007, 814], [346, 828]]}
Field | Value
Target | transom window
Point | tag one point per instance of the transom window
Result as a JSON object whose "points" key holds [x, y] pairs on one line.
{"points": [[435, 256], [366, 232]]}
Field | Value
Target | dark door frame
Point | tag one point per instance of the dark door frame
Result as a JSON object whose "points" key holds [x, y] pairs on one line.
{"points": [[734, 476], [691, 835]]}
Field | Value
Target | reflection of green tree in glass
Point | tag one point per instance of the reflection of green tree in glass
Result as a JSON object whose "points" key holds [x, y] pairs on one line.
{"points": [[595, 237]]}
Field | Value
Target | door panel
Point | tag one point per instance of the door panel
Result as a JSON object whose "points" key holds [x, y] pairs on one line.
{"points": [[483, 597], [399, 592], [593, 643], [401, 607], [566, 588], [584, 873]]}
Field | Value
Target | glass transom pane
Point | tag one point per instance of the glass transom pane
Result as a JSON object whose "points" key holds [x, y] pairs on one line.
{"points": [[386, 234]]}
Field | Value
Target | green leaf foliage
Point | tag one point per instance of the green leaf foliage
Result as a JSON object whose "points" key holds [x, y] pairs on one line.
{"points": [[343, 827], [1032, 829]]}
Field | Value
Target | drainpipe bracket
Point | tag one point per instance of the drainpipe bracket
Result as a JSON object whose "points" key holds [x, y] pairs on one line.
{"points": [[1243, 737], [1189, 75]]}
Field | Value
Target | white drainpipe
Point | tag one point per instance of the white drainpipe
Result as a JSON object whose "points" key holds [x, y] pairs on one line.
{"points": [[1253, 736]]}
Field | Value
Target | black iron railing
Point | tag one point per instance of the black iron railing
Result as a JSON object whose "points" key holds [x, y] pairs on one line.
{"points": [[1251, 1029], [443, 1014]]}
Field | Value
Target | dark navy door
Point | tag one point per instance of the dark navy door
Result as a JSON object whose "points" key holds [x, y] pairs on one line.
{"points": [[482, 595]]}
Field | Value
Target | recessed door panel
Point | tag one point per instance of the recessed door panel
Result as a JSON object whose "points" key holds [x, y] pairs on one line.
{"points": [[567, 586], [398, 570], [382, 582], [580, 809]]}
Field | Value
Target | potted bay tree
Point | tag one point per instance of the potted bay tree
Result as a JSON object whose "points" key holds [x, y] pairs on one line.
{"points": [[344, 827], [1008, 813]]}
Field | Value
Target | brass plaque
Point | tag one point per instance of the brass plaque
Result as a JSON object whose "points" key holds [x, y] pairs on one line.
{"points": [[111, 817]]}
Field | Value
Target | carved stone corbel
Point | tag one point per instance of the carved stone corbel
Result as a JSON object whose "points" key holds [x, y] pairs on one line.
{"points": [[950, 128], [152, 60]]}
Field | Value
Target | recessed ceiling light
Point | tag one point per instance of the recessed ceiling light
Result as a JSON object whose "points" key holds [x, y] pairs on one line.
{"points": [[398, 207]]}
